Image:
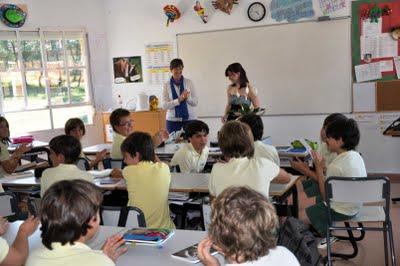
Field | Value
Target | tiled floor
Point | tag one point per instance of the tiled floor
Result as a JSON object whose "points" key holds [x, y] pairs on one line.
{"points": [[371, 252]]}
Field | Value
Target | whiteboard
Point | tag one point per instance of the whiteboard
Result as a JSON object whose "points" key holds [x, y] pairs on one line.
{"points": [[299, 68]]}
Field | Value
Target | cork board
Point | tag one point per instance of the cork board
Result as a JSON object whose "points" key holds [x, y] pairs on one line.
{"points": [[388, 96]]}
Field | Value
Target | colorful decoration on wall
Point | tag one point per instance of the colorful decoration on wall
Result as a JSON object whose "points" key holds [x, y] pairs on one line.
{"points": [[13, 16], [127, 69], [329, 6], [291, 10], [172, 13], [201, 11], [224, 5]]}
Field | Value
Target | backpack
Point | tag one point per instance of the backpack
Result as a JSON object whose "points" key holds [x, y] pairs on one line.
{"points": [[296, 236]]}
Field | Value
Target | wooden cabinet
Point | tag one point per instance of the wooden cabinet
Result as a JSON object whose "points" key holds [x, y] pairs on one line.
{"points": [[146, 121]]}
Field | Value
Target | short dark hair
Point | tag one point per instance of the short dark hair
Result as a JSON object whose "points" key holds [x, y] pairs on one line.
{"points": [[140, 142], [333, 117], [3, 119], [243, 224], [66, 210], [175, 63], [68, 146], [116, 115], [73, 123], [236, 140], [347, 129], [195, 126], [255, 123]]}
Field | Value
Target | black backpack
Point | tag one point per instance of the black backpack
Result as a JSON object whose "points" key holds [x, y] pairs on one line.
{"points": [[296, 236]]}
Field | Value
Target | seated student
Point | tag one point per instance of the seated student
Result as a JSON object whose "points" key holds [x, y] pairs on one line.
{"points": [[147, 181], [76, 128], [342, 137], [192, 157], [9, 163], [242, 168], [17, 253], [69, 214], [64, 152], [244, 228], [122, 125], [257, 128]]}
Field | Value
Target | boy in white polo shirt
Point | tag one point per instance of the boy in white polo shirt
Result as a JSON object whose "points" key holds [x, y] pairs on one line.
{"points": [[69, 215], [260, 149], [17, 253], [242, 168], [64, 152], [343, 137], [192, 157]]}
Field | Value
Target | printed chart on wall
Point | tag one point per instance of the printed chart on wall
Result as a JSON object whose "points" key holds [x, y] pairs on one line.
{"points": [[158, 57], [375, 48]]}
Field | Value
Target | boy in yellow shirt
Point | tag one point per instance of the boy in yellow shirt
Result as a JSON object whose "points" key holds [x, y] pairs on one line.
{"points": [[147, 181]]}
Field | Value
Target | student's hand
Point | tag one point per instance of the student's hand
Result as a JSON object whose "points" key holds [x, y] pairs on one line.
{"points": [[111, 247], [203, 252], [116, 173], [21, 150], [3, 225], [100, 156], [224, 119], [318, 160], [299, 165], [160, 137], [29, 226]]}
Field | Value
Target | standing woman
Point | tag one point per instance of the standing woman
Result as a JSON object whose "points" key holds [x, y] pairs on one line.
{"points": [[241, 95], [179, 98]]}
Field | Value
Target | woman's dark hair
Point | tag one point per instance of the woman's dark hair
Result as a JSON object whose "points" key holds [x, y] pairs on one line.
{"points": [[73, 123], [237, 68], [333, 117], [347, 129], [139, 142], [255, 123], [116, 115], [68, 146], [7, 139], [175, 63], [236, 140], [66, 210]]}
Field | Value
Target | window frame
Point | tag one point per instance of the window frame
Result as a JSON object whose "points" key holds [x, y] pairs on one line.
{"points": [[66, 68]]}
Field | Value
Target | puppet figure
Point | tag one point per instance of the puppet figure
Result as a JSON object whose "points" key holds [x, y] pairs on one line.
{"points": [[172, 13], [201, 12], [225, 5]]}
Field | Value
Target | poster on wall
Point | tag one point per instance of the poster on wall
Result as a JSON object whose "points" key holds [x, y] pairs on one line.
{"points": [[291, 10], [127, 69], [158, 57]]}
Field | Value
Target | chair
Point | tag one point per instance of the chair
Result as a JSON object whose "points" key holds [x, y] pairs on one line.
{"points": [[373, 191], [110, 163], [9, 206], [83, 164], [126, 216]]}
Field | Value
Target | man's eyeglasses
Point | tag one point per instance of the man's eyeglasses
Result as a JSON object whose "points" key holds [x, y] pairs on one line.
{"points": [[126, 123]]}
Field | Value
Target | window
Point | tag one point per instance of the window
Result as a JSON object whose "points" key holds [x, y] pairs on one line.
{"points": [[44, 79]]}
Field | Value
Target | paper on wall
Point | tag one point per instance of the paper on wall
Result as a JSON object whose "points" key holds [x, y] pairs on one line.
{"points": [[397, 66], [386, 65], [382, 45], [388, 47], [368, 72], [369, 45], [364, 97], [371, 28]]}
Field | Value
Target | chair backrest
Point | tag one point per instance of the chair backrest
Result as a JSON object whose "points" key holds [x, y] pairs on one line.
{"points": [[110, 163], [125, 216], [36, 155], [8, 204], [83, 164]]}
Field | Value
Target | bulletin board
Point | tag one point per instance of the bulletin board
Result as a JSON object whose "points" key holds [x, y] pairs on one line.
{"points": [[388, 22]]}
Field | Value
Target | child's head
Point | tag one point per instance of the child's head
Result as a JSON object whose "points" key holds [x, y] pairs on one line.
{"points": [[121, 122], [236, 140], [342, 134], [70, 210], [138, 147], [4, 129], [75, 127], [255, 123], [243, 224], [64, 149], [328, 120], [197, 133]]}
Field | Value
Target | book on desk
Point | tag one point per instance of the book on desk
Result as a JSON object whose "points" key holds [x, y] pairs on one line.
{"points": [[148, 236]]}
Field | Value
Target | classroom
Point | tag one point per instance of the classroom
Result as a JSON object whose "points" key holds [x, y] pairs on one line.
{"points": [[299, 82]]}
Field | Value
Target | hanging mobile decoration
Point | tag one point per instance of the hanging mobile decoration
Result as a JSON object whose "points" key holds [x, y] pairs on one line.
{"points": [[201, 11], [172, 13], [224, 5]]}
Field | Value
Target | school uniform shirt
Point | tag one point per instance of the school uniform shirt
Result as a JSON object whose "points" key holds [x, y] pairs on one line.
{"points": [[4, 155], [169, 103], [255, 173], [266, 151], [68, 254], [62, 172], [347, 164], [326, 154], [189, 160], [116, 146], [278, 256], [4, 248], [148, 187]]}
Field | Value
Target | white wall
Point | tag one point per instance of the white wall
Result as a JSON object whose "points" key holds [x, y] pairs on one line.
{"points": [[88, 14], [132, 24]]}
